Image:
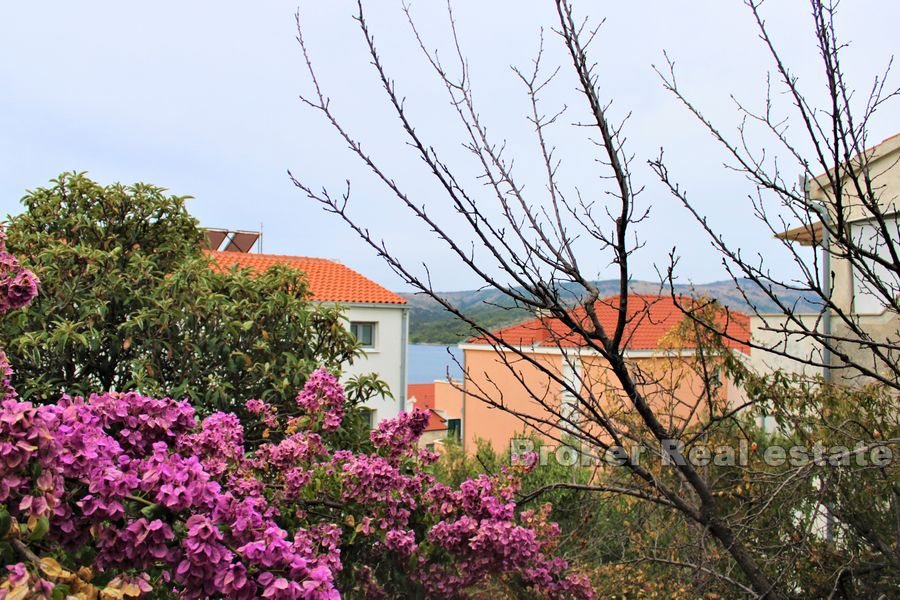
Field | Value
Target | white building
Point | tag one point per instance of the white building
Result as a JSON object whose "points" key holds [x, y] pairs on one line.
{"points": [[377, 317], [872, 223]]}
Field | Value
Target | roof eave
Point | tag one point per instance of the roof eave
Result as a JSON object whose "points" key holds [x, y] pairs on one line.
{"points": [[805, 235]]}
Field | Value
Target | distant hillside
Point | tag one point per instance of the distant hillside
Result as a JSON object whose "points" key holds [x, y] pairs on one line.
{"points": [[431, 324]]}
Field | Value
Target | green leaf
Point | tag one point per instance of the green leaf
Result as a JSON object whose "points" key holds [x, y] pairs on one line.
{"points": [[40, 529], [152, 511], [5, 521]]}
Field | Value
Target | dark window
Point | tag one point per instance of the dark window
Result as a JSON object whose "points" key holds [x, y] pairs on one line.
{"points": [[454, 429], [369, 416]]}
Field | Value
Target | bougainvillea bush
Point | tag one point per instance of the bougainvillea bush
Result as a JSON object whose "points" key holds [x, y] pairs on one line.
{"points": [[120, 495]]}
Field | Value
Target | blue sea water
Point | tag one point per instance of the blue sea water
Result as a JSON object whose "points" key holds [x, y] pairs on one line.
{"points": [[428, 363]]}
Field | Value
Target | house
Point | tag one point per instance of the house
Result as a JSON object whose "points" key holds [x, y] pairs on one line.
{"points": [[444, 401], [852, 292], [377, 317], [660, 361]]}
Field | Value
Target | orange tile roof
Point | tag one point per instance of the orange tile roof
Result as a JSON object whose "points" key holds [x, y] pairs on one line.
{"points": [[422, 392], [424, 395], [436, 422], [651, 319], [329, 281]]}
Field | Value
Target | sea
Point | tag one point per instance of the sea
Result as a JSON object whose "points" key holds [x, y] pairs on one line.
{"points": [[429, 362]]}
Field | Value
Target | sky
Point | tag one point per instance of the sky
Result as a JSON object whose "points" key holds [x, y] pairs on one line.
{"points": [[202, 98]]}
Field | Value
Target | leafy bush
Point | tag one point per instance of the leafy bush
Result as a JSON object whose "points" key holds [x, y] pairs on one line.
{"points": [[129, 302]]}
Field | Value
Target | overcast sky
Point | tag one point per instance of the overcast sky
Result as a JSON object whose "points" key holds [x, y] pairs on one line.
{"points": [[201, 97]]}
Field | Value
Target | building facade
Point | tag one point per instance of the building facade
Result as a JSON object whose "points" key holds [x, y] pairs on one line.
{"points": [[662, 366], [861, 288], [377, 317]]}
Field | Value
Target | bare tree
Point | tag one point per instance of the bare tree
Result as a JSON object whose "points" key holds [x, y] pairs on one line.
{"points": [[843, 203], [529, 251]]}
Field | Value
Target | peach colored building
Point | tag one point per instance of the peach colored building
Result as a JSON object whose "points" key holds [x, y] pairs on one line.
{"points": [[662, 364]]}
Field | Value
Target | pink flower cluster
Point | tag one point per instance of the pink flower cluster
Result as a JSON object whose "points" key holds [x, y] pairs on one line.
{"points": [[219, 443], [124, 487], [399, 437], [19, 576], [323, 399], [478, 526], [191, 507], [265, 412], [6, 373], [18, 285]]}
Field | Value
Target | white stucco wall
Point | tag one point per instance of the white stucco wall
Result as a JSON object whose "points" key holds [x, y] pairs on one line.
{"points": [[387, 358], [766, 362], [884, 171]]}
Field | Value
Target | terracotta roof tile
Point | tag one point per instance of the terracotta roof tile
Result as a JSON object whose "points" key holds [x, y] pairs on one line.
{"points": [[436, 422], [329, 281], [651, 319], [424, 395]]}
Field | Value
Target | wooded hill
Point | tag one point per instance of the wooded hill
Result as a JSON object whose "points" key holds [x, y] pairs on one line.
{"points": [[431, 324]]}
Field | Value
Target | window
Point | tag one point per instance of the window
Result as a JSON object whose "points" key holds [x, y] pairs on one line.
{"points": [[569, 401], [364, 333], [715, 378], [369, 416], [869, 236], [454, 429]]}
